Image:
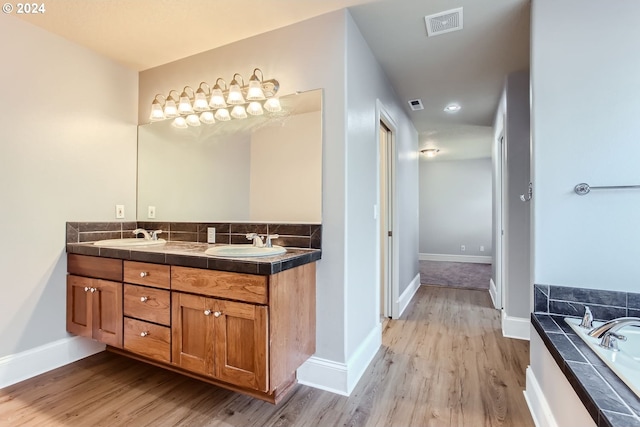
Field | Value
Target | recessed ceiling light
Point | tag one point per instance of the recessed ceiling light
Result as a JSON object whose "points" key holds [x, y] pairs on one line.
{"points": [[452, 108], [430, 152]]}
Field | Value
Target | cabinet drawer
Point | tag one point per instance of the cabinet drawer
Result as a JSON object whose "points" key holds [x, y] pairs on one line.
{"points": [[222, 284], [92, 266], [153, 305], [147, 339], [143, 273]]}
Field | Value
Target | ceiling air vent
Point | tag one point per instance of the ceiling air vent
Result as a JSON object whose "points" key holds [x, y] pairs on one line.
{"points": [[416, 104], [444, 22]]}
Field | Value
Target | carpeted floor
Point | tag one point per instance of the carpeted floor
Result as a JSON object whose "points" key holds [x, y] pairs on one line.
{"points": [[455, 274]]}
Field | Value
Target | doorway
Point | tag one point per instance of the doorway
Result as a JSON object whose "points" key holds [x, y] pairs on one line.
{"points": [[387, 256]]}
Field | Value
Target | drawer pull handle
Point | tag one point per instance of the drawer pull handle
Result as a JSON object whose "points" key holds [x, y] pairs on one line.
{"points": [[217, 313], [207, 312], [86, 289], [93, 290], [144, 274], [144, 299], [144, 333]]}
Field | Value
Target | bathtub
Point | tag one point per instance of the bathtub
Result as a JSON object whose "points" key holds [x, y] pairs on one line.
{"points": [[624, 363]]}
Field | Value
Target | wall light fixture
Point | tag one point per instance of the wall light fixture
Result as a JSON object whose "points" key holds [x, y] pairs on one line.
{"points": [[206, 104]]}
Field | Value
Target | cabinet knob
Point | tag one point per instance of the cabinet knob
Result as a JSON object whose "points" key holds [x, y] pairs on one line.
{"points": [[144, 274], [93, 289], [144, 333], [217, 313], [207, 312], [86, 289], [144, 299]]}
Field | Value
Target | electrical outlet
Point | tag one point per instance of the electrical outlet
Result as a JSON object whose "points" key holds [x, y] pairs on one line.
{"points": [[481, 248], [211, 234], [463, 248], [151, 212], [119, 211]]}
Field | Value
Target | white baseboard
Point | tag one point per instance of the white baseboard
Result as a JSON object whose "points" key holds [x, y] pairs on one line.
{"points": [[27, 364], [515, 327], [341, 378], [406, 297], [538, 405], [475, 259], [493, 292]]}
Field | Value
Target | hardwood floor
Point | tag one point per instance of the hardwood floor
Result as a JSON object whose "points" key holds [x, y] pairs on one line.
{"points": [[444, 363]]}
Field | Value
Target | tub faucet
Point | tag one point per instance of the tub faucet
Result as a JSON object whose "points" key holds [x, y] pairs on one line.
{"points": [[144, 232], [587, 319], [613, 326]]}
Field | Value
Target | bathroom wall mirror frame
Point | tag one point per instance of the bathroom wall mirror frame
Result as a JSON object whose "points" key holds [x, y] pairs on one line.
{"points": [[260, 169]]}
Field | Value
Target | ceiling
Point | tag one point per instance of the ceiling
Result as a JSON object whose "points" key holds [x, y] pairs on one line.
{"points": [[467, 66]]}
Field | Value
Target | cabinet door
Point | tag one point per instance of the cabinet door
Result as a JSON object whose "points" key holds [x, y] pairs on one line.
{"points": [[107, 312], [79, 305], [241, 356], [192, 332]]}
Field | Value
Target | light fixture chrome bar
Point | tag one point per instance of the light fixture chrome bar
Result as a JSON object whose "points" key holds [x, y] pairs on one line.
{"points": [[584, 188]]}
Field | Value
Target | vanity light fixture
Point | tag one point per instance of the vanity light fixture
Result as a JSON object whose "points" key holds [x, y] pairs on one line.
{"points": [[430, 152], [212, 102]]}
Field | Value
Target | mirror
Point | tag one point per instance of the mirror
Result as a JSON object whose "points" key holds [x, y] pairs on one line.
{"points": [[263, 168]]}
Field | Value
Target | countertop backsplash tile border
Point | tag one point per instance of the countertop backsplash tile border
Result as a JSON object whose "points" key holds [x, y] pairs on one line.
{"points": [[308, 236]]}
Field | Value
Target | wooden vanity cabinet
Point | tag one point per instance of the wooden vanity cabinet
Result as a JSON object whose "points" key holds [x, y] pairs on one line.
{"points": [[223, 339], [94, 305], [245, 332]]}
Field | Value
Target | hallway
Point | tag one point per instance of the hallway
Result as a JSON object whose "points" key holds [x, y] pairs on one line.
{"points": [[444, 363]]}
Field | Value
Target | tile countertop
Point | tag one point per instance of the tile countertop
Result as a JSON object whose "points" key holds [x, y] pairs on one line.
{"points": [[607, 399], [189, 254]]}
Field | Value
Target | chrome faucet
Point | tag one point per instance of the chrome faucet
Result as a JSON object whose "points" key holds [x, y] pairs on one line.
{"points": [[257, 240], [587, 319], [142, 231], [613, 326], [268, 244], [608, 331]]}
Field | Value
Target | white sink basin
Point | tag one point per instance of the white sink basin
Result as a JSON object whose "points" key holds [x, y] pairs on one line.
{"points": [[244, 251], [130, 242]]}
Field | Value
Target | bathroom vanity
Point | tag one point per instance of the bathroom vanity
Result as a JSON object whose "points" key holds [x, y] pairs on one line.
{"points": [[247, 332]]}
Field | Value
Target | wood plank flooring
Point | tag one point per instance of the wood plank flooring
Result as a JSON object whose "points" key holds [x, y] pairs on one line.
{"points": [[444, 363]]}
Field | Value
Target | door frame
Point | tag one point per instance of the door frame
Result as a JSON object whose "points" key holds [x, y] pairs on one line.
{"points": [[391, 294], [500, 233]]}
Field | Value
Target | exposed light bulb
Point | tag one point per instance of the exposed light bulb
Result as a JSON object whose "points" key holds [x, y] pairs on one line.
{"points": [[200, 102], [255, 93], [193, 120], [185, 107], [156, 111], [170, 109]]}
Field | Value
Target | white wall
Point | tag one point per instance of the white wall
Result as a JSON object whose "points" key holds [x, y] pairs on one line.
{"points": [[68, 153], [455, 206], [280, 181], [586, 129], [365, 83]]}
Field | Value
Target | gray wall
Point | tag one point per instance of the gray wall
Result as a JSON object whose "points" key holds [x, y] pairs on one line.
{"points": [[518, 216], [68, 153], [365, 84], [455, 206], [586, 128]]}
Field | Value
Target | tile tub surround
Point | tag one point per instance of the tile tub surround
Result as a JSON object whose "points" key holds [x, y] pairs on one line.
{"points": [[607, 399], [291, 235], [568, 301]]}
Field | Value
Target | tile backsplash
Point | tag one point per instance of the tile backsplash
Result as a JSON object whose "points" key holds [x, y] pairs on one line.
{"points": [[569, 301], [291, 235]]}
